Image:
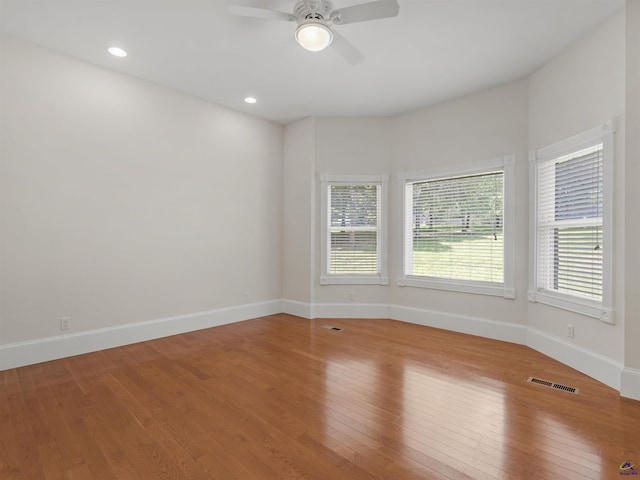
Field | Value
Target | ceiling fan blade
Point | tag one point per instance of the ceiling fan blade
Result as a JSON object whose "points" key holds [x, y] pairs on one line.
{"points": [[346, 49], [366, 11], [244, 11]]}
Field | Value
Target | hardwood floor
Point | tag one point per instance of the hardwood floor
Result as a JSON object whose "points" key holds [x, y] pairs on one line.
{"points": [[282, 398]]}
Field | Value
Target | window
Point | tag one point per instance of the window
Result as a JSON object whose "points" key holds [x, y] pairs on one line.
{"points": [[352, 233], [457, 229], [572, 215]]}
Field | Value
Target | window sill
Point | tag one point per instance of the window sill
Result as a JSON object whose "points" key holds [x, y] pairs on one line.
{"points": [[478, 288], [572, 304], [353, 280]]}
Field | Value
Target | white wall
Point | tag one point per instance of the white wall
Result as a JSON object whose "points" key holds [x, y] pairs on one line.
{"points": [[578, 90], [475, 128], [350, 146], [299, 216], [124, 202], [631, 379]]}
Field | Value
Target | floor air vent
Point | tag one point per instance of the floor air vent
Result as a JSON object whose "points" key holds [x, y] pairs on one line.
{"points": [[540, 382], [335, 329], [557, 386]]}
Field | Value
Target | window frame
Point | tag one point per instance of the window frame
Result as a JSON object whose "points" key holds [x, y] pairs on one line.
{"points": [[592, 308], [505, 289], [327, 278]]}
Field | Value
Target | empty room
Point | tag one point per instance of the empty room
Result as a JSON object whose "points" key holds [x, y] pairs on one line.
{"points": [[313, 239]]}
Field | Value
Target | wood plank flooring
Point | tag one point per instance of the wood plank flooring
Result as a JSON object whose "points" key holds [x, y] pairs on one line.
{"points": [[282, 398]]}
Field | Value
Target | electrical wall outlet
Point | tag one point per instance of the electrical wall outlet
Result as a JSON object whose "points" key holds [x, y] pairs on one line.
{"points": [[65, 323], [245, 296], [570, 331], [351, 296]]}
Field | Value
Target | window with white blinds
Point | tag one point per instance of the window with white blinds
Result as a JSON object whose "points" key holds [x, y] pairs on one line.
{"points": [[352, 230], [572, 228], [456, 228], [454, 232], [570, 200]]}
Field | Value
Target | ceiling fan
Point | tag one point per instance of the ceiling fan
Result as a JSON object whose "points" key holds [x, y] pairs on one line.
{"points": [[315, 19]]}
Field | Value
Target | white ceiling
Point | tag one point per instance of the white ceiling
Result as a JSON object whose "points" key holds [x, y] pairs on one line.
{"points": [[433, 51]]}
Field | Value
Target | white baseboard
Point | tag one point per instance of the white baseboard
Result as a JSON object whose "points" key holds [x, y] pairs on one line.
{"points": [[351, 310], [42, 350], [299, 309], [335, 310], [458, 323], [603, 369], [506, 332], [630, 383]]}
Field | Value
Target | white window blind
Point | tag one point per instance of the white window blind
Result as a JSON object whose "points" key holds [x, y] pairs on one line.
{"points": [[454, 228], [570, 224], [353, 229]]}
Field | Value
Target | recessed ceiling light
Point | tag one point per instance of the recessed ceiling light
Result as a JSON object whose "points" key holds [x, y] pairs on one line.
{"points": [[117, 52], [250, 100]]}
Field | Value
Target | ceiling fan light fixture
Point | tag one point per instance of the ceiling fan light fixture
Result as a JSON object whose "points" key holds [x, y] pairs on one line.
{"points": [[314, 36]]}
